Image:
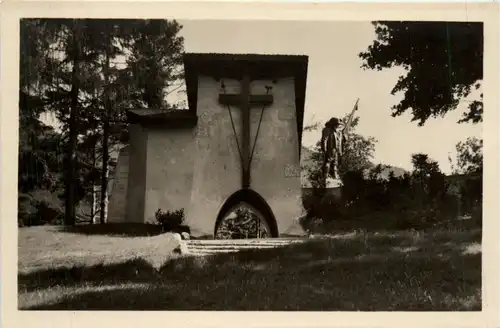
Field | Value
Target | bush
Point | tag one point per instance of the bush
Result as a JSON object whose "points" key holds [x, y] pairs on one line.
{"points": [[321, 210], [47, 214], [399, 203], [39, 208], [170, 221]]}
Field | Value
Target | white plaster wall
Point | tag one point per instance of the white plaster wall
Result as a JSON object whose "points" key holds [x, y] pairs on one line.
{"points": [[217, 165], [217, 168], [169, 168], [276, 162]]}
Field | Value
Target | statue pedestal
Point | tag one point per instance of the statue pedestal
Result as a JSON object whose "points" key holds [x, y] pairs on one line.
{"points": [[333, 183]]}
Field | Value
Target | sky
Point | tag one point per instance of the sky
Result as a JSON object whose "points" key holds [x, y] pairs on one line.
{"points": [[335, 80]]}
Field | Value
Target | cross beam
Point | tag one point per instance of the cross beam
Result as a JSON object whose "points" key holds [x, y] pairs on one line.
{"points": [[245, 101]]}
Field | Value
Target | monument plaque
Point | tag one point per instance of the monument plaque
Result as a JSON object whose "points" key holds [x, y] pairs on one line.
{"points": [[203, 130], [292, 170]]}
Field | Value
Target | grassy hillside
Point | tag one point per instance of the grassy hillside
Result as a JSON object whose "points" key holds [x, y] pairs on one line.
{"points": [[86, 270]]}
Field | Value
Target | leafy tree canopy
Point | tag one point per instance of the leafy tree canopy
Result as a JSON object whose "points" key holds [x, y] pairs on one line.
{"points": [[423, 166], [469, 156], [87, 72], [443, 63]]}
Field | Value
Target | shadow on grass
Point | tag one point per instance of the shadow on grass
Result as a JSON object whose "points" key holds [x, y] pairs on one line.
{"points": [[135, 270], [368, 285], [115, 229], [320, 275]]}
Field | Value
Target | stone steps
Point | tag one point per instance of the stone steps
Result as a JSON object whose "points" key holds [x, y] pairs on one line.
{"points": [[211, 247]]}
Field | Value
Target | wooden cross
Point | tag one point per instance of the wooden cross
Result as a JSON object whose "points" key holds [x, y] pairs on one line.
{"points": [[245, 101]]}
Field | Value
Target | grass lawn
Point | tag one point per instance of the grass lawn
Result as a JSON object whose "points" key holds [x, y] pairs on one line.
{"points": [[405, 271]]}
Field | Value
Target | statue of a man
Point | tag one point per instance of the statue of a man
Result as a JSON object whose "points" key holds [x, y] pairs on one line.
{"points": [[333, 138], [332, 141]]}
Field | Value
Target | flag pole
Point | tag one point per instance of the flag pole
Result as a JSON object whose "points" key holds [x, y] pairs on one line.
{"points": [[349, 119]]}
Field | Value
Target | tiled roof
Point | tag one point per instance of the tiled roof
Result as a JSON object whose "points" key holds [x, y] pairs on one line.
{"points": [[177, 118]]}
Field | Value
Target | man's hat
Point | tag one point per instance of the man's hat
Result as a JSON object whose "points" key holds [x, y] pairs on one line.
{"points": [[332, 123]]}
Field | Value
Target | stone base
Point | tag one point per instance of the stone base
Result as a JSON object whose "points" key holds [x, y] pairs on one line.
{"points": [[200, 234], [294, 230], [333, 183]]}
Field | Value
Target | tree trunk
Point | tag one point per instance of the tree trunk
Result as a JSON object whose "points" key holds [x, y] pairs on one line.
{"points": [[105, 141], [104, 177], [71, 169], [94, 192]]}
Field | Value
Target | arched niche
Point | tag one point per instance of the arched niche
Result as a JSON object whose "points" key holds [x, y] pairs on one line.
{"points": [[254, 201]]}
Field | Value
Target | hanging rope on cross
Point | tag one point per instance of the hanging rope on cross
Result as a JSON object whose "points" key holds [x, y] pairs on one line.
{"points": [[245, 101]]}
